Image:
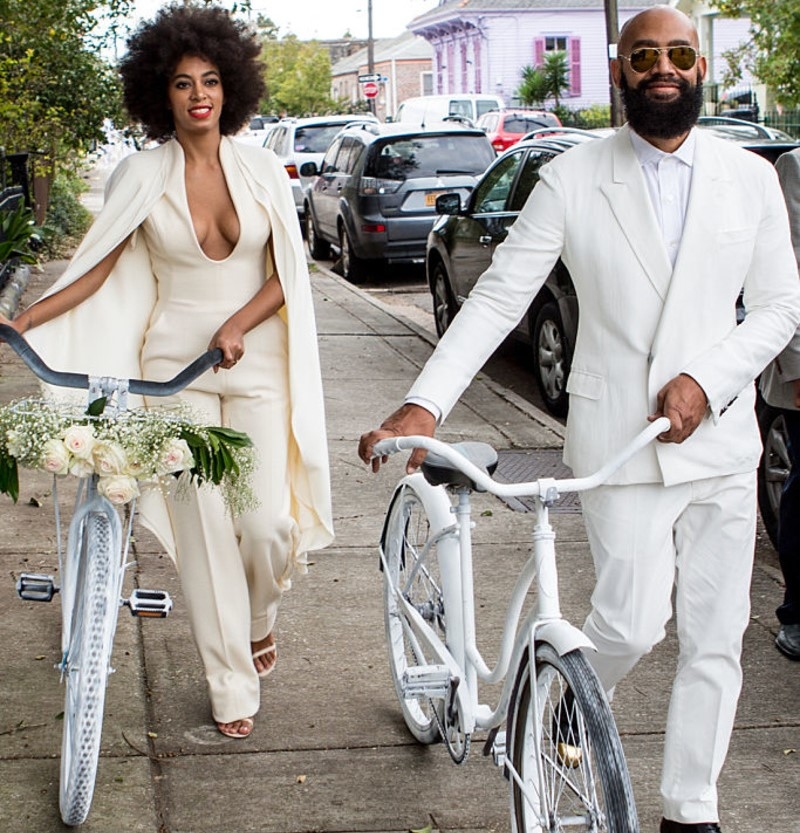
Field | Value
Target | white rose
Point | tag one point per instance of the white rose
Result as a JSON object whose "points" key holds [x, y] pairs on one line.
{"points": [[81, 468], [118, 488], [136, 468], [13, 444], [80, 441], [175, 456], [55, 457], [109, 458]]}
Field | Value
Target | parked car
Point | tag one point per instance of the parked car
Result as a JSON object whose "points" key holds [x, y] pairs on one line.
{"points": [[505, 128], [769, 142], [296, 141], [775, 465], [375, 191], [426, 110], [463, 240]]}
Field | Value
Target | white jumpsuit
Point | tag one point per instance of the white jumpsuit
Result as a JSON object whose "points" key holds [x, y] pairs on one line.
{"points": [[233, 570]]}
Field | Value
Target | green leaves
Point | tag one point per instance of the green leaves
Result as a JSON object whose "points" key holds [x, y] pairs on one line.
{"points": [[9, 476], [211, 449], [97, 406], [16, 230]]}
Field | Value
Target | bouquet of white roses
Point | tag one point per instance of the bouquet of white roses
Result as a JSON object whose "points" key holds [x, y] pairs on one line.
{"points": [[123, 450]]}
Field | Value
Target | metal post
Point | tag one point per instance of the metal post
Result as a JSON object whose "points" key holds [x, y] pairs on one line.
{"points": [[370, 51], [612, 36]]}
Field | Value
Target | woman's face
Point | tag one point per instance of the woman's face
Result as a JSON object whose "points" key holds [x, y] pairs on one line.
{"points": [[195, 96]]}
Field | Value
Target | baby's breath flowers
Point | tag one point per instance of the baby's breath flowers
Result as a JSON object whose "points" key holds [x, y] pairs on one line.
{"points": [[143, 446]]}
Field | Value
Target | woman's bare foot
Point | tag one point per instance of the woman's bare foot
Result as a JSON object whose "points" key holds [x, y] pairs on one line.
{"points": [[237, 728], [265, 655]]}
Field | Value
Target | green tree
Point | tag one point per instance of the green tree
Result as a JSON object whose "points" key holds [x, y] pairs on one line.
{"points": [[297, 76], [773, 52], [55, 90], [550, 80]]}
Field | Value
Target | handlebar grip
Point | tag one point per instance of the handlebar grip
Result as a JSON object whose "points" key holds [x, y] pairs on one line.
{"points": [[143, 387], [386, 446]]}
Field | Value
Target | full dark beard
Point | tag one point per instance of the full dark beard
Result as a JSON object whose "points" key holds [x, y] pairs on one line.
{"points": [[662, 119]]}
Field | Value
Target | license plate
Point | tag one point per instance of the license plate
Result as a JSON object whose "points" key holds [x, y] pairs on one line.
{"points": [[430, 199]]}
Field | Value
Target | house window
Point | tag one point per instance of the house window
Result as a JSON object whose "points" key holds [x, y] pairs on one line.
{"points": [[562, 43], [426, 83]]}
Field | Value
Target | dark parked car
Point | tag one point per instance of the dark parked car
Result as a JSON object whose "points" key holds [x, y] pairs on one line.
{"points": [[463, 240], [374, 194]]}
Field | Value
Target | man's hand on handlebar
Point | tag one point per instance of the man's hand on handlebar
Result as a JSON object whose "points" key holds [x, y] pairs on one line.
{"points": [[405, 421]]}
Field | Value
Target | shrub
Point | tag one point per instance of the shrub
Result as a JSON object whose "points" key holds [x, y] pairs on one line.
{"points": [[67, 218]]}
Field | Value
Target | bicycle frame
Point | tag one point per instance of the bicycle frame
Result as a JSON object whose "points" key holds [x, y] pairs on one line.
{"points": [[453, 543]]}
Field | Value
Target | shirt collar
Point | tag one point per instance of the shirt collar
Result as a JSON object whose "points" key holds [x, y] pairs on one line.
{"points": [[650, 154]]}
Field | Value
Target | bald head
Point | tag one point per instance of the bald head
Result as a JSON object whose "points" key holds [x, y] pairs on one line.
{"points": [[657, 24]]}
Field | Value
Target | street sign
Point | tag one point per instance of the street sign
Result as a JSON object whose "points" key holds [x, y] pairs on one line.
{"points": [[370, 89], [373, 76]]}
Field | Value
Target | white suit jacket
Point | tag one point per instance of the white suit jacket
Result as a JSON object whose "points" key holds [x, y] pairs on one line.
{"points": [[641, 321], [104, 335]]}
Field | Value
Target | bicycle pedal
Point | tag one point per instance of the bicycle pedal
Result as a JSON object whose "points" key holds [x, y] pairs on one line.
{"points": [[153, 604], [36, 587], [432, 681]]}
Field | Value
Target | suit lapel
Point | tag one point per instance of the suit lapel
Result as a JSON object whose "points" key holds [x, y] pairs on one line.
{"points": [[630, 202]]}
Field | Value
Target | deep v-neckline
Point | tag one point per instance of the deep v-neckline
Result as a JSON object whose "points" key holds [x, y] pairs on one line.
{"points": [[193, 228]]}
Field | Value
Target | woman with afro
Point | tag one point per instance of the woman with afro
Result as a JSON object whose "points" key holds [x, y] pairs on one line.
{"points": [[198, 246]]}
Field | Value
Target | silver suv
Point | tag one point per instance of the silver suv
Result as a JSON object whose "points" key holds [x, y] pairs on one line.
{"points": [[296, 141], [375, 192]]}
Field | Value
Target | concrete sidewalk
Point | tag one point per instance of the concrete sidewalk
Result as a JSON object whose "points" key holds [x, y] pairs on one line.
{"points": [[330, 751]]}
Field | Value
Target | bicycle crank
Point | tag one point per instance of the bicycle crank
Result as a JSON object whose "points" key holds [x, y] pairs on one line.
{"points": [[449, 723]]}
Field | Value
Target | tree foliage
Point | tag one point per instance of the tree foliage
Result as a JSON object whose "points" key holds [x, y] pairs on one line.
{"points": [[297, 75], [55, 90], [773, 52], [550, 80]]}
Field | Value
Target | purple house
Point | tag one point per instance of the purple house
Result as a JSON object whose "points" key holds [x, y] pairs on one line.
{"points": [[481, 46]]}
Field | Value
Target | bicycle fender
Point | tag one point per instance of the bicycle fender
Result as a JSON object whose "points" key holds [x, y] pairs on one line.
{"points": [[563, 636]]}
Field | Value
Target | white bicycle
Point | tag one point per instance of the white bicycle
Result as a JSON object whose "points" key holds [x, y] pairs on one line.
{"points": [[92, 571], [560, 748]]}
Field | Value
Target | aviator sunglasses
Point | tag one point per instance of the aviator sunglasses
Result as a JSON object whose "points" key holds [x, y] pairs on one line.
{"points": [[646, 57]]}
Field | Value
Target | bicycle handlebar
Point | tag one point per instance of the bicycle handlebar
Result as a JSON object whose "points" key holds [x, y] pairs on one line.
{"points": [[392, 445], [143, 387]]}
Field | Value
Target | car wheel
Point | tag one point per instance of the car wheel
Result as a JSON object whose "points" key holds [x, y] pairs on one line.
{"points": [[352, 267], [318, 248], [444, 305], [550, 360], [774, 467]]}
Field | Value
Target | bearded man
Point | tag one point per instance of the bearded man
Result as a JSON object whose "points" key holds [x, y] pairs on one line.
{"points": [[661, 226]]}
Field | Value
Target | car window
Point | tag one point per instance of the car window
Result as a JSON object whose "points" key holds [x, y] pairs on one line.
{"points": [[491, 194], [348, 155], [524, 124], [429, 156], [528, 177], [460, 107], [329, 161], [483, 105], [315, 138], [275, 139]]}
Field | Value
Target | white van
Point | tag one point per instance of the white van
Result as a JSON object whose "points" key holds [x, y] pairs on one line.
{"points": [[427, 109]]}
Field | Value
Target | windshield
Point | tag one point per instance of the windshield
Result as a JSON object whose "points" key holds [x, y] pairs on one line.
{"points": [[429, 156], [316, 138], [524, 124]]}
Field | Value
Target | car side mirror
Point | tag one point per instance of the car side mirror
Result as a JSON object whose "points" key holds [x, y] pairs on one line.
{"points": [[448, 204], [308, 169]]}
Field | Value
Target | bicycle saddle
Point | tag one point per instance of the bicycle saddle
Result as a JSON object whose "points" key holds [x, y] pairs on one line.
{"points": [[439, 472]]}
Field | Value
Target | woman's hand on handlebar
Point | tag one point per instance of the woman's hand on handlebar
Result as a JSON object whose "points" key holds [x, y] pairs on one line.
{"points": [[229, 339], [9, 323], [406, 421]]}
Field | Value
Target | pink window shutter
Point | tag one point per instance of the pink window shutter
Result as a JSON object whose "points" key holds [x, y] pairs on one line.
{"points": [[538, 52], [575, 66]]}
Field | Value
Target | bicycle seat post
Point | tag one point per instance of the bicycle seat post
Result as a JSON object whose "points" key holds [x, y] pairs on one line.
{"points": [[463, 513]]}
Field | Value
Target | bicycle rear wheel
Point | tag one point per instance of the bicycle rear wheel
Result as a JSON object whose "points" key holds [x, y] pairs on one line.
{"points": [[578, 779], [409, 527], [88, 656]]}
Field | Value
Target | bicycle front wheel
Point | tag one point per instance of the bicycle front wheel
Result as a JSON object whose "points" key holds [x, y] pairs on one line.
{"points": [[411, 568], [88, 656], [576, 778]]}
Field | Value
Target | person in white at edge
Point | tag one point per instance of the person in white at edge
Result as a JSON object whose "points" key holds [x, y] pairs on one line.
{"points": [[660, 226]]}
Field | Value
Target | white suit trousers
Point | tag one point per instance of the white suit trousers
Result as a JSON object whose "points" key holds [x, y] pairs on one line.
{"points": [[698, 537]]}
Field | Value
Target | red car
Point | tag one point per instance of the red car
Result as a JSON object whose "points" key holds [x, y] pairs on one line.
{"points": [[506, 127]]}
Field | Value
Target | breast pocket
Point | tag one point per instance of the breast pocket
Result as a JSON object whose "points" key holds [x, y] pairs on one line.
{"points": [[735, 246]]}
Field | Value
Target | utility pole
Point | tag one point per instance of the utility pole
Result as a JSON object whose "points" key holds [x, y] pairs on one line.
{"points": [[370, 51], [612, 37]]}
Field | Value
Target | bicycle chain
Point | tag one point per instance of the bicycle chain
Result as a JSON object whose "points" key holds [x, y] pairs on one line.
{"points": [[455, 756]]}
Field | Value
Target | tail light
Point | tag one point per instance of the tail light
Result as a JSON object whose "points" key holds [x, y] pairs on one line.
{"points": [[373, 228], [371, 185], [292, 171]]}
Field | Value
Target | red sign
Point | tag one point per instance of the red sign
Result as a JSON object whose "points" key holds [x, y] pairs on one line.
{"points": [[370, 89]]}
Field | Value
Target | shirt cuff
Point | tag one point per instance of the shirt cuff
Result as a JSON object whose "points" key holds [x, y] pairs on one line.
{"points": [[432, 407]]}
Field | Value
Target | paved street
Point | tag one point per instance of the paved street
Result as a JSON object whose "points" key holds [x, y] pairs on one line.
{"points": [[330, 751]]}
